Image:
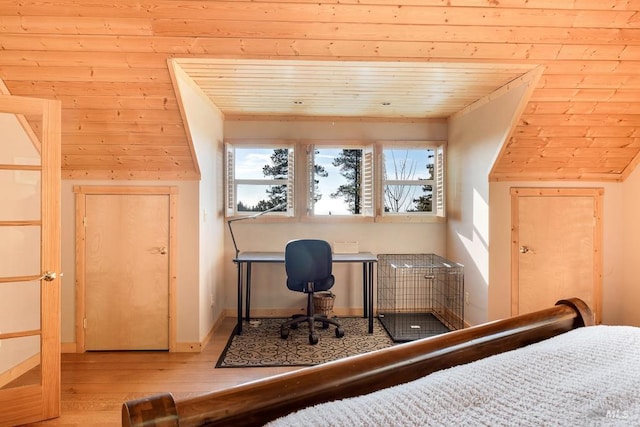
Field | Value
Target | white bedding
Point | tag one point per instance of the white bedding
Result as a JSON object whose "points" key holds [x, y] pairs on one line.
{"points": [[586, 377]]}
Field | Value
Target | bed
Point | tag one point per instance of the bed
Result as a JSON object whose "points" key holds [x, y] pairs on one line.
{"points": [[551, 367]]}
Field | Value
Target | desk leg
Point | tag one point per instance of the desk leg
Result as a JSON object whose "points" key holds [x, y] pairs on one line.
{"points": [[239, 324], [370, 285], [365, 291], [248, 284]]}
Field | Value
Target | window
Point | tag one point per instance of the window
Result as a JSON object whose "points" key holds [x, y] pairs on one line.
{"points": [[336, 179], [259, 178], [413, 178], [341, 180]]}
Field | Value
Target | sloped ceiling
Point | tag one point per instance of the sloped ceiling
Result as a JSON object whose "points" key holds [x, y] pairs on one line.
{"points": [[108, 64]]}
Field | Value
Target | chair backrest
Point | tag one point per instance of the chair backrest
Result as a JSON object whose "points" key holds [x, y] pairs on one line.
{"points": [[308, 260]]}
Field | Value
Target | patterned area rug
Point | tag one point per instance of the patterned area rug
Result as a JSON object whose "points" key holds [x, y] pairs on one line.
{"points": [[260, 344]]}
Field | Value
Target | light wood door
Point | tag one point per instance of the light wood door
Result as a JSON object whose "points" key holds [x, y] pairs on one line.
{"points": [[30, 236], [556, 247], [127, 272]]}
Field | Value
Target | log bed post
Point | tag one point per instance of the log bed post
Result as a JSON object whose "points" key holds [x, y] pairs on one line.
{"points": [[258, 402]]}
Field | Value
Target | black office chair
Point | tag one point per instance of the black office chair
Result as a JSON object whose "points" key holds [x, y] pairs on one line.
{"points": [[308, 264]]}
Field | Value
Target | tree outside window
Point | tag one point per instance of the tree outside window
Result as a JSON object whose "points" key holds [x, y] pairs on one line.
{"points": [[408, 180], [261, 178]]}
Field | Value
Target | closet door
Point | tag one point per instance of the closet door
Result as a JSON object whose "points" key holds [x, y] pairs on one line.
{"points": [[125, 244], [127, 275], [30, 254], [556, 247]]}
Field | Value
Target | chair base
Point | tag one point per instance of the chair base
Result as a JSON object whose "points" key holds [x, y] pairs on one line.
{"points": [[310, 320]]}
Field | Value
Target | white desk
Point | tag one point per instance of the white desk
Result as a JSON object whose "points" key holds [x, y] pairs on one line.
{"points": [[367, 259]]}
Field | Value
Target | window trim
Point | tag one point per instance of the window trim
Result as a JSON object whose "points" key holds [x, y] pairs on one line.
{"points": [[299, 190], [367, 200], [438, 182], [231, 183]]}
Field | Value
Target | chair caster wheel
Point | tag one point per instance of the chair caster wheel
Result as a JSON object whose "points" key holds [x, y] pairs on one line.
{"points": [[339, 332], [325, 325], [294, 326], [284, 334], [313, 339]]}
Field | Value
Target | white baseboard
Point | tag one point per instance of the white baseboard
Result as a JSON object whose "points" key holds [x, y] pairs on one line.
{"points": [[287, 312]]}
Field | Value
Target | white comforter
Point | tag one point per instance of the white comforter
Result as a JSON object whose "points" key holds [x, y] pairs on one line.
{"points": [[586, 377]]}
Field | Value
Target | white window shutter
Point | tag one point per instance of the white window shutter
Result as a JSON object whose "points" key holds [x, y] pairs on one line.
{"points": [[310, 178], [230, 194], [366, 185], [291, 169], [440, 178]]}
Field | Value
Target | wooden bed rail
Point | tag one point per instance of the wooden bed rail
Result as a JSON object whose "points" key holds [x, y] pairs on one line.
{"points": [[258, 402]]}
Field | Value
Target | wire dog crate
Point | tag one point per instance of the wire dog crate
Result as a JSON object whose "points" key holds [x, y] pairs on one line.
{"points": [[419, 295]]}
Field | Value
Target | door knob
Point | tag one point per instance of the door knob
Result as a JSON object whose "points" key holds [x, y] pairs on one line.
{"points": [[524, 249], [49, 276], [163, 251]]}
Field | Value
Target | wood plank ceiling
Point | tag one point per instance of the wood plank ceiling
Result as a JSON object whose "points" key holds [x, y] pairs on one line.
{"points": [[339, 89], [107, 63]]}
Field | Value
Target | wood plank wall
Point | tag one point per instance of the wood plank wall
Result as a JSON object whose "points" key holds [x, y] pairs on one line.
{"points": [[107, 62]]}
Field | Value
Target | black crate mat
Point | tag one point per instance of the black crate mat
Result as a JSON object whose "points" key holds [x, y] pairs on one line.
{"points": [[411, 326]]}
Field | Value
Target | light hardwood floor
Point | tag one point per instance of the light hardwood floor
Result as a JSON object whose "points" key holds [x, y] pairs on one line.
{"points": [[95, 384]]}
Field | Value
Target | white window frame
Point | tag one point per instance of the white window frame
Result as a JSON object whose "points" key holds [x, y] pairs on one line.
{"points": [[231, 183], [367, 192], [437, 183], [300, 180]]}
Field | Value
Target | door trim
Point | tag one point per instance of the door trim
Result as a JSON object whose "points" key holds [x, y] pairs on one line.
{"points": [[81, 192], [597, 194]]}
